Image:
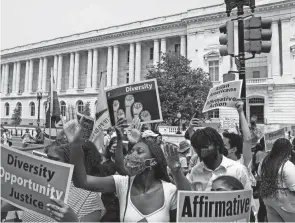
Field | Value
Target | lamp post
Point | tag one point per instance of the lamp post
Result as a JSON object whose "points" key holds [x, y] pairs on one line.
{"points": [[39, 97], [179, 126]]}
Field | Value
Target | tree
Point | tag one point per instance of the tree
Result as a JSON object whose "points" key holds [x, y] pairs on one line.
{"points": [[16, 116], [86, 110], [181, 88]]}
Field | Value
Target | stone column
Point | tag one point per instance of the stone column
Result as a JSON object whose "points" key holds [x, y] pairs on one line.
{"points": [[156, 52], [131, 63], [44, 74], [286, 35], [71, 72], [26, 89], [59, 72], [115, 66], [183, 45], [31, 76], [163, 47], [94, 68], [76, 70], [14, 79], [138, 62], [40, 74], [55, 63], [17, 76], [89, 69], [6, 78], [109, 66], [275, 49], [3, 77]]}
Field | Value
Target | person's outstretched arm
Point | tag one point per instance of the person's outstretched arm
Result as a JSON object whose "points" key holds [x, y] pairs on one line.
{"points": [[73, 130], [119, 157]]}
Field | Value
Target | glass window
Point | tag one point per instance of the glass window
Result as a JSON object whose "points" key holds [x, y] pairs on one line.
{"points": [[256, 101], [128, 56], [214, 70], [255, 65], [256, 74], [127, 78], [19, 105], [32, 108], [214, 113], [177, 48], [151, 53], [6, 109], [63, 108], [80, 106]]}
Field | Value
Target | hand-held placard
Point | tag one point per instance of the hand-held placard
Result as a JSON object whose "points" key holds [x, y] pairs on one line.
{"points": [[146, 116], [137, 108], [116, 105], [129, 100]]}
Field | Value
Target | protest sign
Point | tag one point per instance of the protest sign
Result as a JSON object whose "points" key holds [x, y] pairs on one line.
{"points": [[228, 123], [223, 95], [271, 137], [28, 181], [139, 99], [221, 206]]}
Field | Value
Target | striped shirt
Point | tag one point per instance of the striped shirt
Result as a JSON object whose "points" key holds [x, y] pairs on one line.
{"points": [[82, 202]]}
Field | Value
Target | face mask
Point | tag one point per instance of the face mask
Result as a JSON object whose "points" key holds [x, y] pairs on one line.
{"points": [[135, 165], [208, 153]]}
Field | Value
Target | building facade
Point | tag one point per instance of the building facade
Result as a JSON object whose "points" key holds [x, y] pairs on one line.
{"points": [[125, 53]]}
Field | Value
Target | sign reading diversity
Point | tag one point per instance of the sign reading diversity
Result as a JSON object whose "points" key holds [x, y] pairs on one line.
{"points": [[28, 181], [139, 99], [225, 206], [271, 137], [223, 95]]}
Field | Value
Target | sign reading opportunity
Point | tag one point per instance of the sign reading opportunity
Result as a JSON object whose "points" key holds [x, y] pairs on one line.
{"points": [[212, 207]]}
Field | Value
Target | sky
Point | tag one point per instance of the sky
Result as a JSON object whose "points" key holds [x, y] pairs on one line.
{"points": [[29, 21]]}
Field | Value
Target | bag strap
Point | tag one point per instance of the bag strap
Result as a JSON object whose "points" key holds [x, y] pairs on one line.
{"points": [[128, 189]]}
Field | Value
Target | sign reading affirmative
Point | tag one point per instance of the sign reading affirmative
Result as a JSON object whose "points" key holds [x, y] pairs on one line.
{"points": [[225, 206], [223, 95], [139, 99], [271, 137], [28, 181]]}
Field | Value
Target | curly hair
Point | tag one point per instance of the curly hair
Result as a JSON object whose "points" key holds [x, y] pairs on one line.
{"points": [[231, 182], [271, 165], [157, 153], [207, 136]]}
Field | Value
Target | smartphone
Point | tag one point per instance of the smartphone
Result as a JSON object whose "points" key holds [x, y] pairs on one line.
{"points": [[88, 124], [197, 114]]}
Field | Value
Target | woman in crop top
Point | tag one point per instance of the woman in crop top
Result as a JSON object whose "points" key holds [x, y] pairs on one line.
{"points": [[147, 184]]}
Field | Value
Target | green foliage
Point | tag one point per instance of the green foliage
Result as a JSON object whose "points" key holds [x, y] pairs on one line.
{"points": [[86, 110], [16, 116], [181, 88]]}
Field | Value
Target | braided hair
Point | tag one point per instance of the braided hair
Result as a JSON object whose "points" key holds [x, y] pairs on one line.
{"points": [[157, 153], [207, 136], [273, 162]]}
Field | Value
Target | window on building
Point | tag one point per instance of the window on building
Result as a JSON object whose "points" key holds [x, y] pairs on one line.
{"points": [[214, 69], [257, 66], [151, 53], [256, 74], [256, 101], [7, 109], [19, 105], [128, 56], [80, 106], [63, 107], [177, 49], [127, 78], [256, 106], [213, 113], [32, 108]]}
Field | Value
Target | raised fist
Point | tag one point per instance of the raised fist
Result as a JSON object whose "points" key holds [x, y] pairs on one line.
{"points": [[116, 105], [137, 108], [145, 116], [129, 100], [240, 106], [121, 114]]}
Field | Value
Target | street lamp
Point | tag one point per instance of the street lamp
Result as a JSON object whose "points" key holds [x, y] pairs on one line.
{"points": [[39, 97], [179, 126]]}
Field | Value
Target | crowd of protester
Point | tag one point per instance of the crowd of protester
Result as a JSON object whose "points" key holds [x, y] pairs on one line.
{"points": [[136, 180]]}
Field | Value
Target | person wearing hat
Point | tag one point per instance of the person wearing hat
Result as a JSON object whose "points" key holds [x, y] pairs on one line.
{"points": [[184, 150], [148, 134]]}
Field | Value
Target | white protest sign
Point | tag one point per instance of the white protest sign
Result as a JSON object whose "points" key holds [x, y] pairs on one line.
{"points": [[271, 137], [211, 206], [223, 95], [228, 123]]}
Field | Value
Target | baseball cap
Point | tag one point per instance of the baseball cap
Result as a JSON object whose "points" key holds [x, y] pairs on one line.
{"points": [[183, 146], [148, 133]]}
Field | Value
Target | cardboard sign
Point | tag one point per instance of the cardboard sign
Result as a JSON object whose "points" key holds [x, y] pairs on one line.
{"points": [[88, 124], [271, 137], [28, 181], [223, 95], [221, 206], [228, 123], [139, 99]]}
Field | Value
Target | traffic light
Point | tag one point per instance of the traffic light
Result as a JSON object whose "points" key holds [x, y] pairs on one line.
{"points": [[227, 39], [257, 35]]}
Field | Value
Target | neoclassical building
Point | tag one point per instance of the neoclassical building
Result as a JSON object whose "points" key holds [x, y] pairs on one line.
{"points": [[125, 53]]}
